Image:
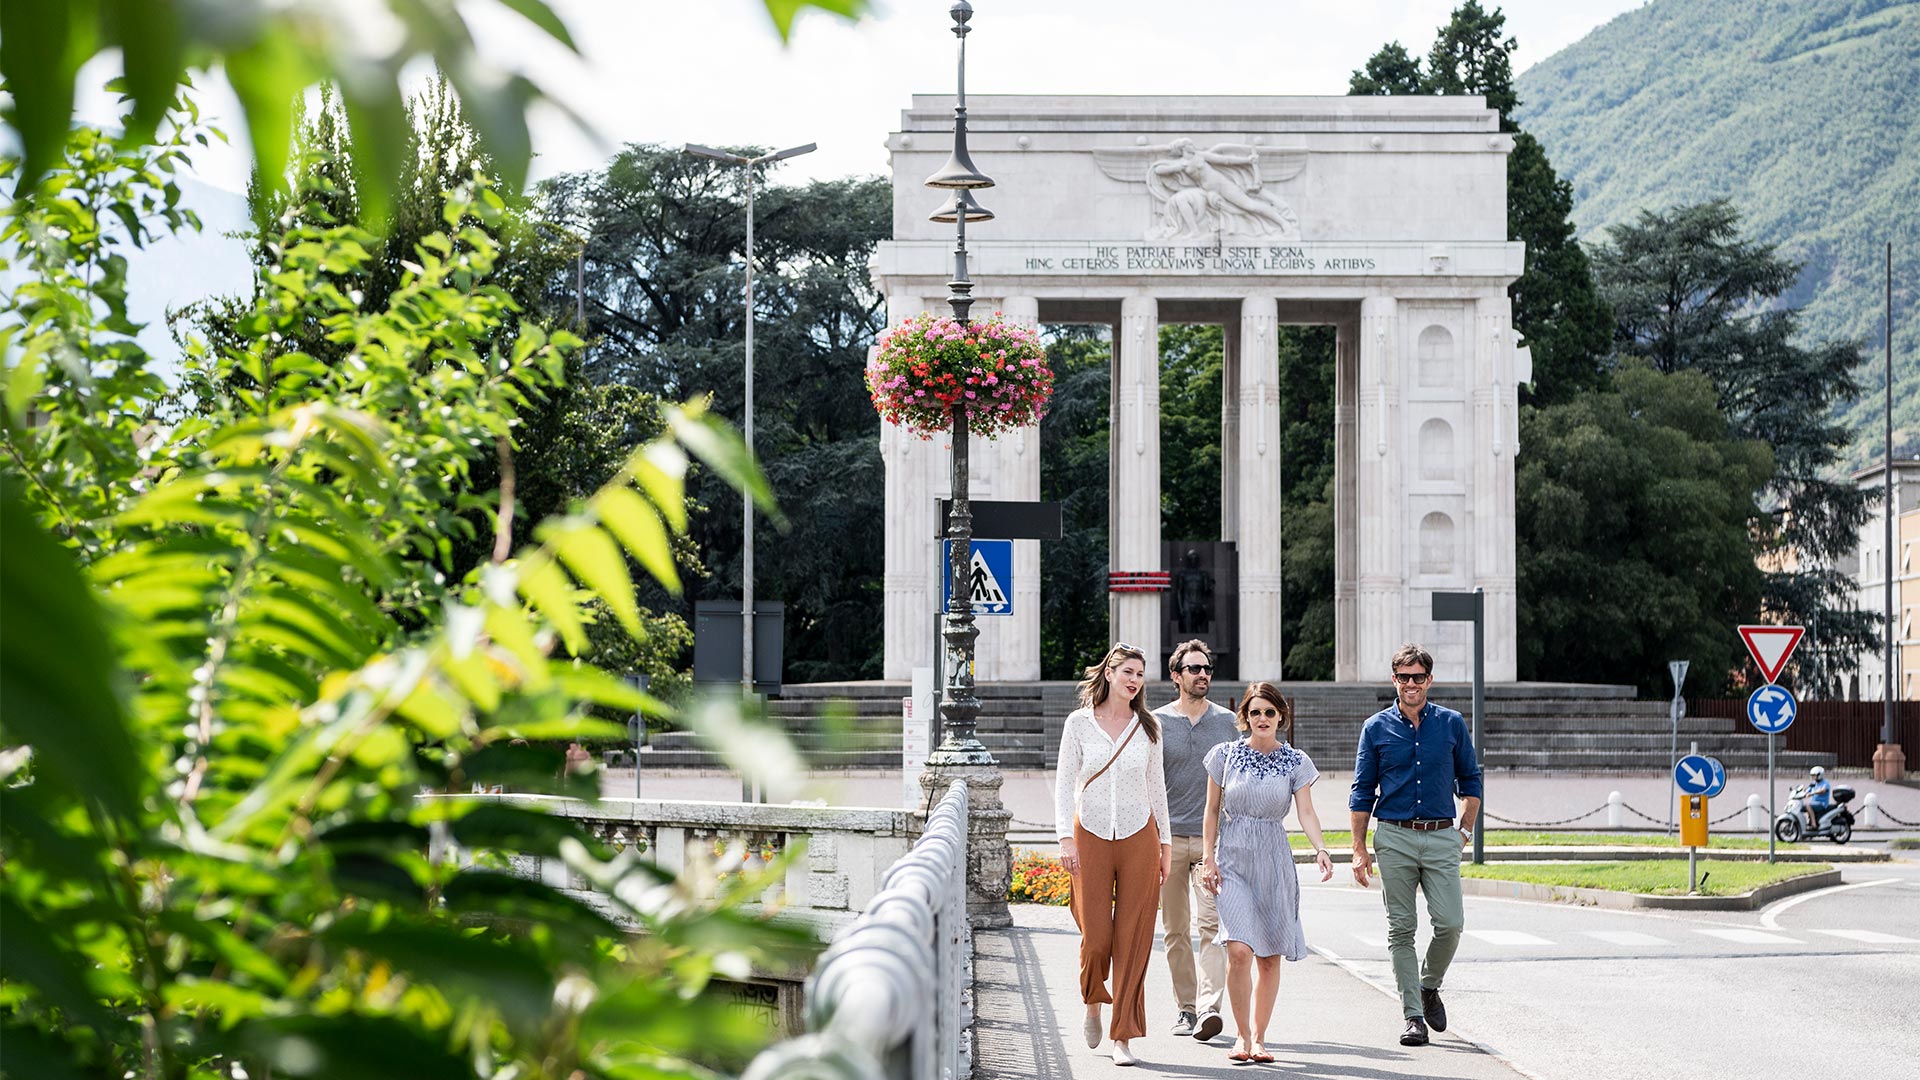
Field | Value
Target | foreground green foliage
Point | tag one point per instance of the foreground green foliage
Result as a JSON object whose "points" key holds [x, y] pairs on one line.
{"points": [[1658, 877], [1805, 115], [234, 658]]}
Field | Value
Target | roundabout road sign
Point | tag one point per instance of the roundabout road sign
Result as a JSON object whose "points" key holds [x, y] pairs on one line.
{"points": [[1771, 709]]}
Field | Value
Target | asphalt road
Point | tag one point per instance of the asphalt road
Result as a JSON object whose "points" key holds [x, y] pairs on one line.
{"points": [[1823, 983]]}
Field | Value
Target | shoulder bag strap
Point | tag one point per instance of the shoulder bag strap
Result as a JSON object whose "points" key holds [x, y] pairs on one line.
{"points": [[1114, 758]]}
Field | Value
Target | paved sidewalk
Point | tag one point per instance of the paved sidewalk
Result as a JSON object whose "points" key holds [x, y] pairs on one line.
{"points": [[1327, 1021]]}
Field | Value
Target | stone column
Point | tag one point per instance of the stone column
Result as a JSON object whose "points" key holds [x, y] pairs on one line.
{"points": [[1346, 462], [1230, 361], [1495, 421], [912, 466], [1381, 576], [1135, 496], [1259, 490], [1008, 467]]}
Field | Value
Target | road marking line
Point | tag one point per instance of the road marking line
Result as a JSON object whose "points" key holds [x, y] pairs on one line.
{"points": [[1871, 937], [1771, 917], [1751, 937], [1385, 986], [1626, 937], [1371, 942], [1507, 937]]}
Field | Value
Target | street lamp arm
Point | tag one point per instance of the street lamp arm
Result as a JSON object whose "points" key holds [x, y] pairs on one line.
{"points": [[791, 151], [718, 155]]}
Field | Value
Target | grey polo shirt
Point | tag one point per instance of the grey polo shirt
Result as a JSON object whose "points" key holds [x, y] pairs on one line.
{"points": [[1184, 747]]}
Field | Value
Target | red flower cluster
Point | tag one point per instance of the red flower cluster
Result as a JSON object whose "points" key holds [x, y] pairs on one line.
{"points": [[992, 369]]}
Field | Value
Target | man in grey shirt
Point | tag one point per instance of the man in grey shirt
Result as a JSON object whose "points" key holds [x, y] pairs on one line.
{"points": [[1190, 726]]}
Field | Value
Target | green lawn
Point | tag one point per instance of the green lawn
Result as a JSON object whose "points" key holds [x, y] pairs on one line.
{"points": [[1659, 876], [1341, 838]]}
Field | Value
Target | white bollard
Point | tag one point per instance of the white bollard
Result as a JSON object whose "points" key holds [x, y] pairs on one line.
{"points": [[1616, 816], [1756, 813], [1870, 815]]}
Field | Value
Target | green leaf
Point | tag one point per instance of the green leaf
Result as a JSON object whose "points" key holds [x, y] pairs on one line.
{"points": [[491, 893], [713, 441], [311, 1047], [500, 827], [38, 1054], [782, 12], [34, 957], [41, 49], [548, 590], [58, 671], [629, 517], [507, 974], [153, 57], [239, 954], [592, 557], [268, 76], [542, 16], [525, 768], [660, 467], [589, 683]]}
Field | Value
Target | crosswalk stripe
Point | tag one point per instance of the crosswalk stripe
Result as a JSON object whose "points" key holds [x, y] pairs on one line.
{"points": [[1507, 937], [1870, 937], [1751, 937], [1626, 937]]}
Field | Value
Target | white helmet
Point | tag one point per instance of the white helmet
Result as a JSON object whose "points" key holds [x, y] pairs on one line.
{"points": [[1816, 772]]}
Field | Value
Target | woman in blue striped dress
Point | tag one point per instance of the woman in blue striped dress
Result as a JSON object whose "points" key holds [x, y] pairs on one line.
{"points": [[1251, 785]]}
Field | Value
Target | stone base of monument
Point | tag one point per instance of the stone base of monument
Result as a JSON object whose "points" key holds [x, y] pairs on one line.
{"points": [[1889, 763], [989, 859]]}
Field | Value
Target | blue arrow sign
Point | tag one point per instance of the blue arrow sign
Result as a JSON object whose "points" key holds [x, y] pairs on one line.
{"points": [[1771, 709], [1717, 782], [1694, 774]]}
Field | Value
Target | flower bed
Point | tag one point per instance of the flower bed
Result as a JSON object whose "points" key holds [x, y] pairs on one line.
{"points": [[994, 369], [1038, 879]]}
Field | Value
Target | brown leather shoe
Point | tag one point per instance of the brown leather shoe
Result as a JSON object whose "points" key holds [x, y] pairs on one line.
{"points": [[1416, 1033]]}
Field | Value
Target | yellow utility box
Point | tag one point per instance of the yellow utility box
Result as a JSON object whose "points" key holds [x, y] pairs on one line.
{"points": [[1693, 822]]}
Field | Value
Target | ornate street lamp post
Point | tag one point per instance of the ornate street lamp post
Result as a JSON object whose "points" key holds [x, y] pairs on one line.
{"points": [[960, 754]]}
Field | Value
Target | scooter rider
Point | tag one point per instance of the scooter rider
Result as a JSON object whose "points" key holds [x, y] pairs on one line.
{"points": [[1819, 797]]}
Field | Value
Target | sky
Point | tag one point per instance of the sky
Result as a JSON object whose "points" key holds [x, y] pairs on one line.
{"points": [[714, 71]]}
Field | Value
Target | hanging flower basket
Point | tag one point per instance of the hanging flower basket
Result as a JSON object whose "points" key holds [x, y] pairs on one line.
{"points": [[994, 369]]}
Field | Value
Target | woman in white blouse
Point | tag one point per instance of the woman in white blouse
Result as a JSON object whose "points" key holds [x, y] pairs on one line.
{"points": [[1110, 813]]}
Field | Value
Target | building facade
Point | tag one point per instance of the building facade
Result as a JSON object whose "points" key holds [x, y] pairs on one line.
{"points": [[1869, 571], [1384, 218]]}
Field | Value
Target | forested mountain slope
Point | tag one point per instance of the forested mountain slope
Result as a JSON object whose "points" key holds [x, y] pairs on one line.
{"points": [[1806, 113]]}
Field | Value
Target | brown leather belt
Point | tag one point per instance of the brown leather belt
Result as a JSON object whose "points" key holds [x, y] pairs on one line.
{"points": [[1423, 824]]}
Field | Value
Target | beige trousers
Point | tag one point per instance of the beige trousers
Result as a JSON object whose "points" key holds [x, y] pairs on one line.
{"points": [[1197, 984]]}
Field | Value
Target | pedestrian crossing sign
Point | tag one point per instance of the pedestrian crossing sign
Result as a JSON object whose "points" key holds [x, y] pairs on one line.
{"points": [[990, 578]]}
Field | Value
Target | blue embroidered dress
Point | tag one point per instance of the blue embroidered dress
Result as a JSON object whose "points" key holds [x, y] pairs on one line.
{"points": [[1259, 889]]}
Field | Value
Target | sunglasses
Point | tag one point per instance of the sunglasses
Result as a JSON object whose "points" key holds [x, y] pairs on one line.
{"points": [[1269, 711], [1197, 669], [1414, 678]]}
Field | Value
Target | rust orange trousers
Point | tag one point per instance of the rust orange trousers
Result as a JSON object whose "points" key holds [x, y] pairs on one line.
{"points": [[1116, 901]]}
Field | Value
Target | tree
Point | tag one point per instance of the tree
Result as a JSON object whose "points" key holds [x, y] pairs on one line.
{"points": [[1556, 309], [1191, 361], [664, 233], [1305, 519], [1633, 509], [1690, 294]]}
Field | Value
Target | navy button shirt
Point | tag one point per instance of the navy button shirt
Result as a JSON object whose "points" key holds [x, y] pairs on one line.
{"points": [[1402, 772]]}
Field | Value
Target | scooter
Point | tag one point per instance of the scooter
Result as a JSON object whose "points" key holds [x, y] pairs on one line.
{"points": [[1836, 824]]}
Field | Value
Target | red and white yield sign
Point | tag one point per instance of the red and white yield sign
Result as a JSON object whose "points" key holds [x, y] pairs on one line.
{"points": [[1770, 646]]}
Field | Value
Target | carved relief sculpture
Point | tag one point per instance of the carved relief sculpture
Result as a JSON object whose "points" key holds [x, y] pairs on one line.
{"points": [[1209, 196]]}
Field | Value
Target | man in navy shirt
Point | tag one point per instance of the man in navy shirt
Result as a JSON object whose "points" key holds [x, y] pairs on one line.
{"points": [[1414, 757]]}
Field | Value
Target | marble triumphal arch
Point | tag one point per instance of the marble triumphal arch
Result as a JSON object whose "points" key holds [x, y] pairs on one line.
{"points": [[1384, 217]]}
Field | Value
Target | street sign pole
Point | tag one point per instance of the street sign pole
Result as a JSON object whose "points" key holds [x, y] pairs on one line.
{"points": [[1770, 809], [1472, 607]]}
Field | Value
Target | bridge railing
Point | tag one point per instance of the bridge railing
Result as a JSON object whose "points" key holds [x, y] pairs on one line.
{"points": [[886, 1001]]}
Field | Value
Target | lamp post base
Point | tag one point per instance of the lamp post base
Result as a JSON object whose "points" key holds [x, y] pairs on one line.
{"points": [[1889, 762], [989, 859]]}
